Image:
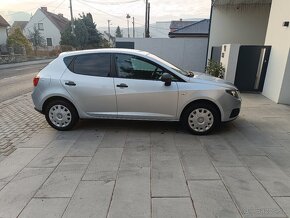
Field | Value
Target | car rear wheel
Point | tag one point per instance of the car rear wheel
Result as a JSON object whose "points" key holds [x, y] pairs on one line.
{"points": [[201, 118], [61, 115]]}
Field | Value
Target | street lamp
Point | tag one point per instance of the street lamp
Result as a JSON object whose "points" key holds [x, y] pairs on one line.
{"points": [[128, 17]]}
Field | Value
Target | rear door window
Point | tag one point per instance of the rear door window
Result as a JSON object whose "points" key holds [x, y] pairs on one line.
{"points": [[92, 65]]}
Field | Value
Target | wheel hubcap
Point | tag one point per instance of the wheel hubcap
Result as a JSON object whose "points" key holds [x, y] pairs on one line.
{"points": [[60, 116], [200, 120]]}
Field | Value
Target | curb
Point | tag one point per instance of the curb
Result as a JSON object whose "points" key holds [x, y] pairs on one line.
{"points": [[7, 66]]}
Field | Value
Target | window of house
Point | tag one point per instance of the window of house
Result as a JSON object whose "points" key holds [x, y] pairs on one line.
{"points": [[49, 41], [93, 65], [40, 26]]}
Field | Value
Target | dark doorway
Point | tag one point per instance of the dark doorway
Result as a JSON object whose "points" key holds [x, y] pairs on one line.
{"points": [[125, 45], [216, 53], [252, 67]]}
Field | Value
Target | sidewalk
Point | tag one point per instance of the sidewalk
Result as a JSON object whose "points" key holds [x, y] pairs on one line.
{"points": [[25, 63]]}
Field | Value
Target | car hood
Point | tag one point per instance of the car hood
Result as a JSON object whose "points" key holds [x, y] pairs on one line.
{"points": [[207, 79]]}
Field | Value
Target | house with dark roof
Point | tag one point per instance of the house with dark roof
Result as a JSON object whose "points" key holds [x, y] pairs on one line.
{"points": [[3, 30], [18, 24], [178, 24], [193, 29], [50, 26]]}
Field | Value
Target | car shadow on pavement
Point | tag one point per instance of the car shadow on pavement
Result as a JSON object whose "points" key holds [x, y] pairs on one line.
{"points": [[150, 126]]}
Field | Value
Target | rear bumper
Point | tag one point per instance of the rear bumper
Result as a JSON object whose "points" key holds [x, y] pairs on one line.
{"points": [[40, 111]]}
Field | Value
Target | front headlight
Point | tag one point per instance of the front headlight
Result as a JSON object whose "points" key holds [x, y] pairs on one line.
{"points": [[233, 92]]}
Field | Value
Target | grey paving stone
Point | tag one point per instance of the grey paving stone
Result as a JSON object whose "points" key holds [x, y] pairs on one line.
{"points": [[65, 178], [86, 144], [279, 155], [104, 165], [2, 184], [269, 174], [256, 136], [131, 197], [186, 139], [240, 144], [40, 139], [114, 138], [211, 199], [10, 166], [91, 199], [284, 203], [196, 163], [172, 207], [137, 138], [248, 194], [52, 154], [45, 208], [167, 177], [15, 195], [220, 152]]}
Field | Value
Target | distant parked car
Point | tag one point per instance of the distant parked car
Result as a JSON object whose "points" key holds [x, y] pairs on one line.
{"points": [[131, 84]]}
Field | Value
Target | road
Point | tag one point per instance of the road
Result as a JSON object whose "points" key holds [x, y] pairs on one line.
{"points": [[17, 80]]}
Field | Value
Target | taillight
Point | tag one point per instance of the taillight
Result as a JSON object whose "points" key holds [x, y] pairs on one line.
{"points": [[35, 80]]}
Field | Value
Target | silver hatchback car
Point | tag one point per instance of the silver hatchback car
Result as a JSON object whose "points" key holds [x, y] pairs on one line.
{"points": [[130, 84]]}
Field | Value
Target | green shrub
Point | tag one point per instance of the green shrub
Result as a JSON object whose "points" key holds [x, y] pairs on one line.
{"points": [[215, 68]]}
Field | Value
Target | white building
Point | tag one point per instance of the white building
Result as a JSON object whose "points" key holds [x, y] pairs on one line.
{"points": [[50, 26], [3, 30], [238, 25]]}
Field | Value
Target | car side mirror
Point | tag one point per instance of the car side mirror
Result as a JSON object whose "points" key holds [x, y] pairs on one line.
{"points": [[166, 78]]}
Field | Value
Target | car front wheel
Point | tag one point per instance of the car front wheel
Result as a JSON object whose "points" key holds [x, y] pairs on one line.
{"points": [[61, 115], [201, 118]]}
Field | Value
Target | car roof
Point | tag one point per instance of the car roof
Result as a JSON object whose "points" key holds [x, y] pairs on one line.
{"points": [[105, 50]]}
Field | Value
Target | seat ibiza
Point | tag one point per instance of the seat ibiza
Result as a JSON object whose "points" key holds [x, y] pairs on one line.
{"points": [[130, 84]]}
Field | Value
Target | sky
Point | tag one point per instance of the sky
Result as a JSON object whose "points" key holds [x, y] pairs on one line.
{"points": [[114, 10]]}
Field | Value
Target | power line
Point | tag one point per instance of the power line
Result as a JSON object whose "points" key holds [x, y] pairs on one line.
{"points": [[111, 2]]}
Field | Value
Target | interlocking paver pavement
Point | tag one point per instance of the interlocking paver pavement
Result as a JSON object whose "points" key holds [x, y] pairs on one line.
{"points": [[106, 168], [18, 121]]}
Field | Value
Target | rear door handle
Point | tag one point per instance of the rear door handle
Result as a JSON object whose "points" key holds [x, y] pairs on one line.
{"points": [[122, 85], [70, 83]]}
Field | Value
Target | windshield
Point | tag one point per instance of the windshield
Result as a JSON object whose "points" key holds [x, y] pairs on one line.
{"points": [[179, 70]]}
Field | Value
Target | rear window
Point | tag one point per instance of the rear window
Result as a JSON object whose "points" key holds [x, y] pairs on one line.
{"points": [[92, 65], [68, 60]]}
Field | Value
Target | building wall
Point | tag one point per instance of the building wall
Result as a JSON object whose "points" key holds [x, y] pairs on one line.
{"points": [[240, 24], [3, 35], [50, 30], [285, 89], [229, 61], [187, 53], [279, 38]]}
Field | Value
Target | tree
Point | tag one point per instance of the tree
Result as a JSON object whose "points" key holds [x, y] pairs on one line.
{"points": [[36, 39], [81, 32], [67, 38], [17, 40], [118, 33], [86, 34], [94, 37]]}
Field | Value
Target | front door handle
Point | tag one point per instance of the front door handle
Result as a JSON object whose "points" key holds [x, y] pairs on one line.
{"points": [[70, 83], [122, 85]]}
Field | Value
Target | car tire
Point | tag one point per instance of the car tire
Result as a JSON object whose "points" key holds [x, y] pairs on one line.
{"points": [[61, 115], [201, 118]]}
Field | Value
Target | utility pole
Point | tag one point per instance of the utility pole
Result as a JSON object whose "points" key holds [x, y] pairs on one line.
{"points": [[146, 17], [128, 17], [148, 22], [72, 19], [133, 27], [109, 30]]}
